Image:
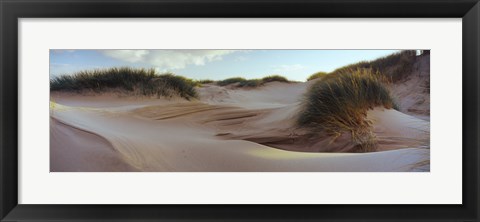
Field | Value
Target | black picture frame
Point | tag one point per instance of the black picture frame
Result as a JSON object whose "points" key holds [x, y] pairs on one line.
{"points": [[12, 10]]}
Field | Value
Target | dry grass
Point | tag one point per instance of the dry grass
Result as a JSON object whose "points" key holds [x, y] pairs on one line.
{"points": [[394, 67], [339, 104], [252, 83], [317, 75], [274, 78], [204, 81], [229, 81], [135, 81]]}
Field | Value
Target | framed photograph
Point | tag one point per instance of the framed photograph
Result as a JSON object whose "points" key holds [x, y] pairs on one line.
{"points": [[227, 110]]}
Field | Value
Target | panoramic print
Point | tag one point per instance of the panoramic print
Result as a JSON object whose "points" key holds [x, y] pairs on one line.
{"points": [[178, 110]]}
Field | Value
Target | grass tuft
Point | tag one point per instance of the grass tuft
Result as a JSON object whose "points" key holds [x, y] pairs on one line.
{"points": [[274, 78], [204, 81], [317, 75], [339, 104], [251, 83], [242, 82], [395, 67], [137, 81], [230, 81]]}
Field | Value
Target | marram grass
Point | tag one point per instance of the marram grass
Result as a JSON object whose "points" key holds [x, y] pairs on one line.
{"points": [[339, 104], [317, 75], [242, 82], [274, 78], [394, 67], [230, 81], [136, 81]]}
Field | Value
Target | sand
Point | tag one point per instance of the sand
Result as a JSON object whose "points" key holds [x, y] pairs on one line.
{"points": [[413, 93], [74, 149], [227, 129]]}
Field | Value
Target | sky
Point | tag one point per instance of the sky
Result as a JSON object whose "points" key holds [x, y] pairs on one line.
{"points": [[213, 64]]}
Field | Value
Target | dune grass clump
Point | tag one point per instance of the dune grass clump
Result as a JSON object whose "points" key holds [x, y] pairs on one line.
{"points": [[242, 82], [250, 83], [205, 81], [137, 81], [317, 75], [168, 85], [339, 105], [274, 78], [395, 67], [230, 81]]}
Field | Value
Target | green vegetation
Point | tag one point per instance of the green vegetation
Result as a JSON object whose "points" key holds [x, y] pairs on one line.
{"points": [[339, 104], [230, 81], [394, 67], [242, 82], [274, 78], [204, 81], [250, 83], [137, 81], [317, 75]]}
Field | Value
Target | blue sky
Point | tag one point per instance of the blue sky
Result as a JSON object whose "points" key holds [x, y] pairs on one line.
{"points": [[213, 64]]}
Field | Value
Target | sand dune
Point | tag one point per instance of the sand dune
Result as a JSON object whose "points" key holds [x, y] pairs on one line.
{"points": [[75, 149], [414, 92], [233, 130]]}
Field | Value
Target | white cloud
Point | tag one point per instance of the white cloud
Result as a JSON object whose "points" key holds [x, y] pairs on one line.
{"points": [[168, 59], [240, 58], [288, 68], [127, 55]]}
